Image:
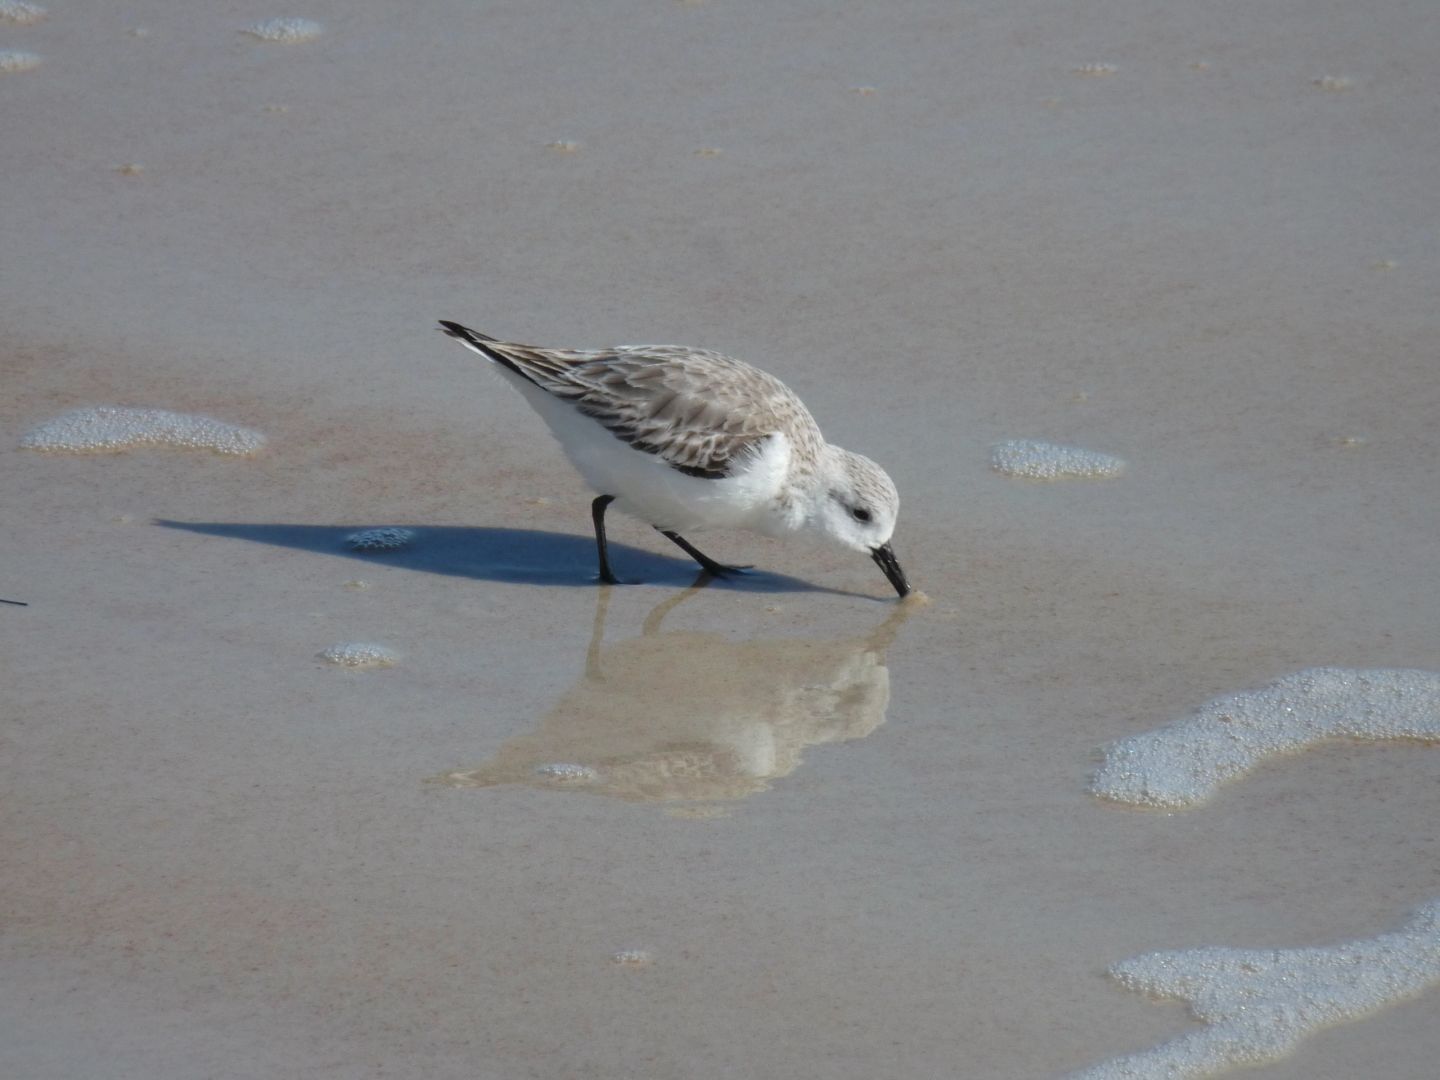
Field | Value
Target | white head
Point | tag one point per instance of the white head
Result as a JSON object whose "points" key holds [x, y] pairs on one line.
{"points": [[856, 506]]}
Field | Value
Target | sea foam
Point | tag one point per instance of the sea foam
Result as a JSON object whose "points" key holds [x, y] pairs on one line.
{"points": [[1184, 763], [1258, 1004], [1030, 459], [21, 13], [13, 61], [107, 428], [285, 31], [359, 654]]}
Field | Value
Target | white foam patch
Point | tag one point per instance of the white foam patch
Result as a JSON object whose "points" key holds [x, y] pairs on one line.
{"points": [[108, 428], [390, 538], [1183, 764], [1258, 1004], [359, 654], [12, 61], [1034, 460], [286, 31], [16, 11], [564, 772]]}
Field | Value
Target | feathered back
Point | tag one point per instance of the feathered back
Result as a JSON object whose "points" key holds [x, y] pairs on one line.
{"points": [[699, 411]]}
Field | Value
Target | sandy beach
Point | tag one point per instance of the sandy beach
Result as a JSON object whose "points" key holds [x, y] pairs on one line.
{"points": [[772, 827]]}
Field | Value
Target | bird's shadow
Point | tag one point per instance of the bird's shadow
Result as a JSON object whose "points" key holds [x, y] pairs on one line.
{"points": [[524, 556]]}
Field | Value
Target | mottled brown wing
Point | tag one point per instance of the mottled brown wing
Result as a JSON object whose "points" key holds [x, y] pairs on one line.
{"points": [[700, 412]]}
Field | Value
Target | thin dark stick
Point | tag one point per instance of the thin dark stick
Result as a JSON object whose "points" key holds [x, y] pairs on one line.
{"points": [[17, 603]]}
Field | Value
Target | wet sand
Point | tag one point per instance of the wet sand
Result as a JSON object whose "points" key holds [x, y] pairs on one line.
{"points": [[224, 856]]}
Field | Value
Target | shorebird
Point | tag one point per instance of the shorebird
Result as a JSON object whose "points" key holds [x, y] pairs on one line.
{"points": [[687, 439]]}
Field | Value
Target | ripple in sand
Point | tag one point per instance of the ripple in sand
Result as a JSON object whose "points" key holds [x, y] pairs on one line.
{"points": [[1184, 763], [373, 541], [702, 812], [359, 654], [21, 13], [1258, 1004], [108, 428], [1033, 460], [12, 62], [285, 31]]}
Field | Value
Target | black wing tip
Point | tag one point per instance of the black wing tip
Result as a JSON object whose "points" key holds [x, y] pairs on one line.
{"points": [[464, 333], [482, 343]]}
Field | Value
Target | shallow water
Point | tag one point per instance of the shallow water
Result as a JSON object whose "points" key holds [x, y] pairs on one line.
{"points": [[863, 855]]}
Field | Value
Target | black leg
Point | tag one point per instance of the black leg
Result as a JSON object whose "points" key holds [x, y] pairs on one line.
{"points": [[709, 565], [597, 511]]}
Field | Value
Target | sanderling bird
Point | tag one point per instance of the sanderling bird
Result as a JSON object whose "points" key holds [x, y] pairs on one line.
{"points": [[689, 439]]}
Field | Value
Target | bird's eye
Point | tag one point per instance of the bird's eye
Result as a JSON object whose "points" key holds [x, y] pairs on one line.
{"points": [[859, 513]]}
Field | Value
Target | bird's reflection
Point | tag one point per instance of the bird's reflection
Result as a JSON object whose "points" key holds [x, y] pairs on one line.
{"points": [[684, 715]]}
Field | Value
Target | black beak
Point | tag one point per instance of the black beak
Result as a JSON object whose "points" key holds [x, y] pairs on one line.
{"points": [[885, 559]]}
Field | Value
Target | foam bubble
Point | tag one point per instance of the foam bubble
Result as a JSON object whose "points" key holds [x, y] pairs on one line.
{"points": [[359, 654], [1033, 460], [564, 772], [633, 958], [285, 31], [378, 540], [113, 427], [12, 61], [1258, 1004], [1184, 763], [1096, 69], [17, 11]]}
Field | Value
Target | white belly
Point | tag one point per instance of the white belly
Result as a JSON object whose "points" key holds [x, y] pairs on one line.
{"points": [[647, 488]]}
